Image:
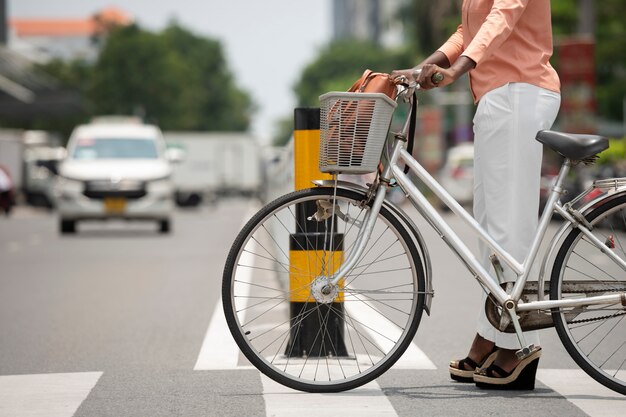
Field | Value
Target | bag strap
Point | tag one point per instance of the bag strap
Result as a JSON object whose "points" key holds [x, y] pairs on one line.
{"points": [[411, 138], [360, 84], [361, 81], [412, 126], [368, 78]]}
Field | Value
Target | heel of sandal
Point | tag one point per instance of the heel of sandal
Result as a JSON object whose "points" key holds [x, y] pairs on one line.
{"points": [[522, 378]]}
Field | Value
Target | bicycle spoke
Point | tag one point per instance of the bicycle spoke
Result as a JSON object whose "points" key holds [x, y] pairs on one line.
{"points": [[279, 321], [385, 304], [596, 335], [380, 260]]}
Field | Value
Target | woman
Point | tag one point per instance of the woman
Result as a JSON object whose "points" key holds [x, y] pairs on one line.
{"points": [[505, 45]]}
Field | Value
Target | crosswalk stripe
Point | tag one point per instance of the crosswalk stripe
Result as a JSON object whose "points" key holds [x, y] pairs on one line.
{"points": [[584, 392], [413, 357], [219, 350], [49, 395], [366, 401]]}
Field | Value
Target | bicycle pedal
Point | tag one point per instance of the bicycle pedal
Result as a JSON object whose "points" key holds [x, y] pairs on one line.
{"points": [[526, 351]]}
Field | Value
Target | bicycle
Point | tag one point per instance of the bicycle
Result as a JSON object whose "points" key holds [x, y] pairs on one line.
{"points": [[324, 288]]}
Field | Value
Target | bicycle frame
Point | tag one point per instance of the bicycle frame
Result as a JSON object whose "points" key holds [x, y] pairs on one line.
{"points": [[511, 301]]}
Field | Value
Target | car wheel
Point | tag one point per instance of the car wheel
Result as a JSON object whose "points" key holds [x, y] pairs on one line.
{"points": [[67, 226], [164, 226]]}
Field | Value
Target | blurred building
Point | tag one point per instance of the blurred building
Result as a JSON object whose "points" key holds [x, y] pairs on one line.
{"points": [[27, 93], [372, 20], [42, 40]]}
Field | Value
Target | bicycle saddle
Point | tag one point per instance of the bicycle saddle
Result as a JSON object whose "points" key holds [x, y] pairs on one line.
{"points": [[573, 146]]}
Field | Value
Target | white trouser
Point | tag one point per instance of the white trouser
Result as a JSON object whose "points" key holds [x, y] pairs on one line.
{"points": [[507, 168]]}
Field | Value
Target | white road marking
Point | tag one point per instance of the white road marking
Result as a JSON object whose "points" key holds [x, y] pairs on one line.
{"points": [[49, 395], [584, 392], [219, 350], [413, 357], [368, 400]]}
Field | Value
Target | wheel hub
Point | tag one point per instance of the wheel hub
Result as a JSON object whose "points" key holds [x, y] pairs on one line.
{"points": [[323, 291]]}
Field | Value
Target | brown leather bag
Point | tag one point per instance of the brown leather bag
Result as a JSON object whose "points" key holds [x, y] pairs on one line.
{"points": [[375, 82], [342, 145]]}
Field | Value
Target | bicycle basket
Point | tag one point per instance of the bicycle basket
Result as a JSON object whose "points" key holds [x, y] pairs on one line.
{"points": [[353, 131]]}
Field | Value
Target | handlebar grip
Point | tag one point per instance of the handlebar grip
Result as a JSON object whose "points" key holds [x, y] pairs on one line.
{"points": [[437, 77]]}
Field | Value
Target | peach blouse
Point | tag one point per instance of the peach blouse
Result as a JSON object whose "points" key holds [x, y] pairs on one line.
{"points": [[510, 41]]}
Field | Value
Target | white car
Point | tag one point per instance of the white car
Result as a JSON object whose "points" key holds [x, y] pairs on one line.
{"points": [[457, 174], [115, 170]]}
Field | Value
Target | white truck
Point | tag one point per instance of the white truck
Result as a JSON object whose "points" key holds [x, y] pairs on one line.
{"points": [[215, 164]]}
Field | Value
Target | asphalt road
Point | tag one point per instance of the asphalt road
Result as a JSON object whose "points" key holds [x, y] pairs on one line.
{"points": [[112, 322]]}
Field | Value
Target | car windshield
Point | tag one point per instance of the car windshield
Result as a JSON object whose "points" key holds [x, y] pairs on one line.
{"points": [[103, 148]]}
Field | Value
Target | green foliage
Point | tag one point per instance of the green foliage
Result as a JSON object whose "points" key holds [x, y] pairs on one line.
{"points": [[74, 74], [611, 57], [564, 17], [341, 63], [431, 23], [283, 131], [174, 78], [137, 74], [68, 77], [610, 36], [615, 154]]}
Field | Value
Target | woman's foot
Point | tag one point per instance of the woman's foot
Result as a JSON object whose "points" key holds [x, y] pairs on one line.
{"points": [[481, 354], [519, 377], [507, 360]]}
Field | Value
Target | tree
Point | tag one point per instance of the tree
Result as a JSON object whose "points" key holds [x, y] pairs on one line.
{"points": [[341, 63], [430, 23], [610, 57], [174, 78], [220, 105], [336, 68], [137, 74]]}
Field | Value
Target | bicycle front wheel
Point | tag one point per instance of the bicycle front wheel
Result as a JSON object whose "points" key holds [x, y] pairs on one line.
{"points": [[295, 328], [595, 336]]}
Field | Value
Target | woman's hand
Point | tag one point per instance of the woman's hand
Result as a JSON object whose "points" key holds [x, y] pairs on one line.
{"points": [[406, 73], [426, 75], [430, 75]]}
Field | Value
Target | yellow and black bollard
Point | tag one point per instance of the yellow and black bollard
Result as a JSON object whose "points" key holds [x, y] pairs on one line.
{"points": [[317, 329]]}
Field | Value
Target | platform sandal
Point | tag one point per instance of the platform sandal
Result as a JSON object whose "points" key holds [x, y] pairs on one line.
{"points": [[522, 377], [460, 374]]}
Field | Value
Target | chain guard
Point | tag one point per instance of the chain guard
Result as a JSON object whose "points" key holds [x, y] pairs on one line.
{"points": [[536, 320]]}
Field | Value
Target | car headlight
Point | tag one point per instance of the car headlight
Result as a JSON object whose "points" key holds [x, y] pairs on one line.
{"points": [[68, 188], [162, 186]]}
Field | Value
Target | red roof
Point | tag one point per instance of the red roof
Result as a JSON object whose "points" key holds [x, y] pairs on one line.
{"points": [[70, 27]]}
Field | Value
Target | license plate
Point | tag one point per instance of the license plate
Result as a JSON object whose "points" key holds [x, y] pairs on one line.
{"points": [[115, 205]]}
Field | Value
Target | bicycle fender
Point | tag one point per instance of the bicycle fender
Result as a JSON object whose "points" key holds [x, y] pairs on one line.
{"points": [[564, 231], [408, 223]]}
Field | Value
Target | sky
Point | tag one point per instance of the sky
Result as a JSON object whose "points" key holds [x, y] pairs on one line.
{"points": [[267, 42]]}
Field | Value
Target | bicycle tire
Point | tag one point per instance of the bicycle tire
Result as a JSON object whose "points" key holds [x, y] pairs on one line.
{"points": [[354, 367], [576, 268]]}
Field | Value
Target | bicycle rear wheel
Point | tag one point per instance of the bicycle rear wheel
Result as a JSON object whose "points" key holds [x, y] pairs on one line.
{"points": [[595, 336], [277, 310]]}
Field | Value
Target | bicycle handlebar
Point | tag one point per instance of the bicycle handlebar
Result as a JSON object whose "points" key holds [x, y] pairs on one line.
{"points": [[411, 86]]}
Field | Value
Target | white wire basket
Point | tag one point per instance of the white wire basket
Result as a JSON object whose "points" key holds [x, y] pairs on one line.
{"points": [[353, 131]]}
